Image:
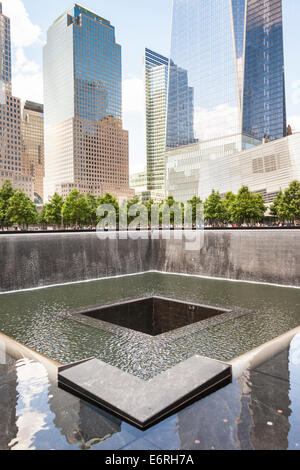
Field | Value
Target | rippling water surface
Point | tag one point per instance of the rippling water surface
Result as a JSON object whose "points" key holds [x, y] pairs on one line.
{"points": [[41, 320], [258, 411]]}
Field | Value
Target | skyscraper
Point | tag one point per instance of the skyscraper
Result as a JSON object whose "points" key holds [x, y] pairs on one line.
{"points": [[180, 130], [232, 55], [5, 54], [83, 94], [10, 118], [10, 111], [232, 51], [156, 86], [32, 137]]}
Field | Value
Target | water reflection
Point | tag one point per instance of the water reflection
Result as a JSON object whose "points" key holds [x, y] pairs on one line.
{"points": [[80, 422], [35, 414], [8, 399], [260, 410], [40, 319]]}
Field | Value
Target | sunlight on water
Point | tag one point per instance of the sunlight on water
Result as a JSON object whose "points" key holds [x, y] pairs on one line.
{"points": [[41, 319]]}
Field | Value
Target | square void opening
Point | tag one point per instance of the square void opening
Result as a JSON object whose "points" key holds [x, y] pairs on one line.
{"points": [[153, 316]]}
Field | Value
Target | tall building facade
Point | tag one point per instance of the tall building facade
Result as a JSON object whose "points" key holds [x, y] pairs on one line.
{"points": [[232, 52], [180, 128], [156, 86], [5, 55], [83, 101], [32, 138], [265, 169], [10, 118]]}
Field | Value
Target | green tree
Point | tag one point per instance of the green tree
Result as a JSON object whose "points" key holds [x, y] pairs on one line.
{"points": [[132, 202], [288, 206], [275, 208], [214, 209], [75, 209], [42, 218], [248, 207], [53, 211], [21, 210], [194, 202], [175, 206], [149, 204], [112, 216], [92, 210], [6, 192], [228, 202]]}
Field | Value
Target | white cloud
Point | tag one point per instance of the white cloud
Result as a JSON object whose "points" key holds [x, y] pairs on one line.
{"points": [[27, 79], [24, 33], [216, 122], [294, 122], [134, 121], [133, 95], [23, 65], [296, 92], [28, 86]]}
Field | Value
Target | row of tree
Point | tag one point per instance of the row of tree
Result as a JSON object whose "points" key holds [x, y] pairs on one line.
{"points": [[79, 210], [247, 207]]}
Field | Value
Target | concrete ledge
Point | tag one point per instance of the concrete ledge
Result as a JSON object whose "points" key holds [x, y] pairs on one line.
{"points": [[139, 402], [256, 357], [20, 351]]}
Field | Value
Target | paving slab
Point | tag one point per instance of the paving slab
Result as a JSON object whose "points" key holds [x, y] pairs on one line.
{"points": [[139, 402]]}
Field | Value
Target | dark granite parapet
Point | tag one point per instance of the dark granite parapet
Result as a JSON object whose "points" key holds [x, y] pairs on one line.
{"points": [[37, 260]]}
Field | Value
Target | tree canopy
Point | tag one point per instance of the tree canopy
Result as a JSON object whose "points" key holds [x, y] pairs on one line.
{"points": [[21, 210], [214, 208], [75, 209], [53, 210], [286, 206], [6, 192], [247, 207]]}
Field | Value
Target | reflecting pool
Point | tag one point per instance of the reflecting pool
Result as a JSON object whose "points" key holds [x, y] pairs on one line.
{"points": [[45, 321], [259, 411]]}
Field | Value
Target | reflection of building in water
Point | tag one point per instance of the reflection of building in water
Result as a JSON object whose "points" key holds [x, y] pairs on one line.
{"points": [[211, 422], [252, 413], [80, 422], [268, 429], [232, 54], [8, 401], [181, 112]]}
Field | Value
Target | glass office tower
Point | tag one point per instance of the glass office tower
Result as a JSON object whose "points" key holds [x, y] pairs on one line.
{"points": [[180, 129], [232, 54], [156, 86], [83, 104]]}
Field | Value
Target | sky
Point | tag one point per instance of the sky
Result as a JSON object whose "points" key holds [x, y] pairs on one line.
{"points": [[139, 24]]}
